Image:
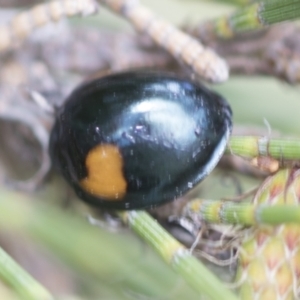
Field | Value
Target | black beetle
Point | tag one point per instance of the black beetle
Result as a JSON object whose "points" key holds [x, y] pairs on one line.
{"points": [[139, 139]]}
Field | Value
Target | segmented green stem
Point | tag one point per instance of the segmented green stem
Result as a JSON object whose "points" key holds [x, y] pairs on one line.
{"points": [[177, 255], [255, 146], [254, 16], [228, 212], [21, 282], [51, 227]]}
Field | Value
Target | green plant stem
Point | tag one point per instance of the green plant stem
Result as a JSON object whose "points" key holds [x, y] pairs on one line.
{"points": [[255, 146], [228, 212], [51, 227], [253, 17], [177, 255], [21, 282]]}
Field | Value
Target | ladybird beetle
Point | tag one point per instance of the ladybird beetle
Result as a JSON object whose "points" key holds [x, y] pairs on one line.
{"points": [[138, 139]]}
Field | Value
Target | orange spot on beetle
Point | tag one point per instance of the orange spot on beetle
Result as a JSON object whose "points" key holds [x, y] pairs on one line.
{"points": [[105, 177]]}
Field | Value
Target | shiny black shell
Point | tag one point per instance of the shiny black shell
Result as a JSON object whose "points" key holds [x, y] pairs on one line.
{"points": [[171, 133]]}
